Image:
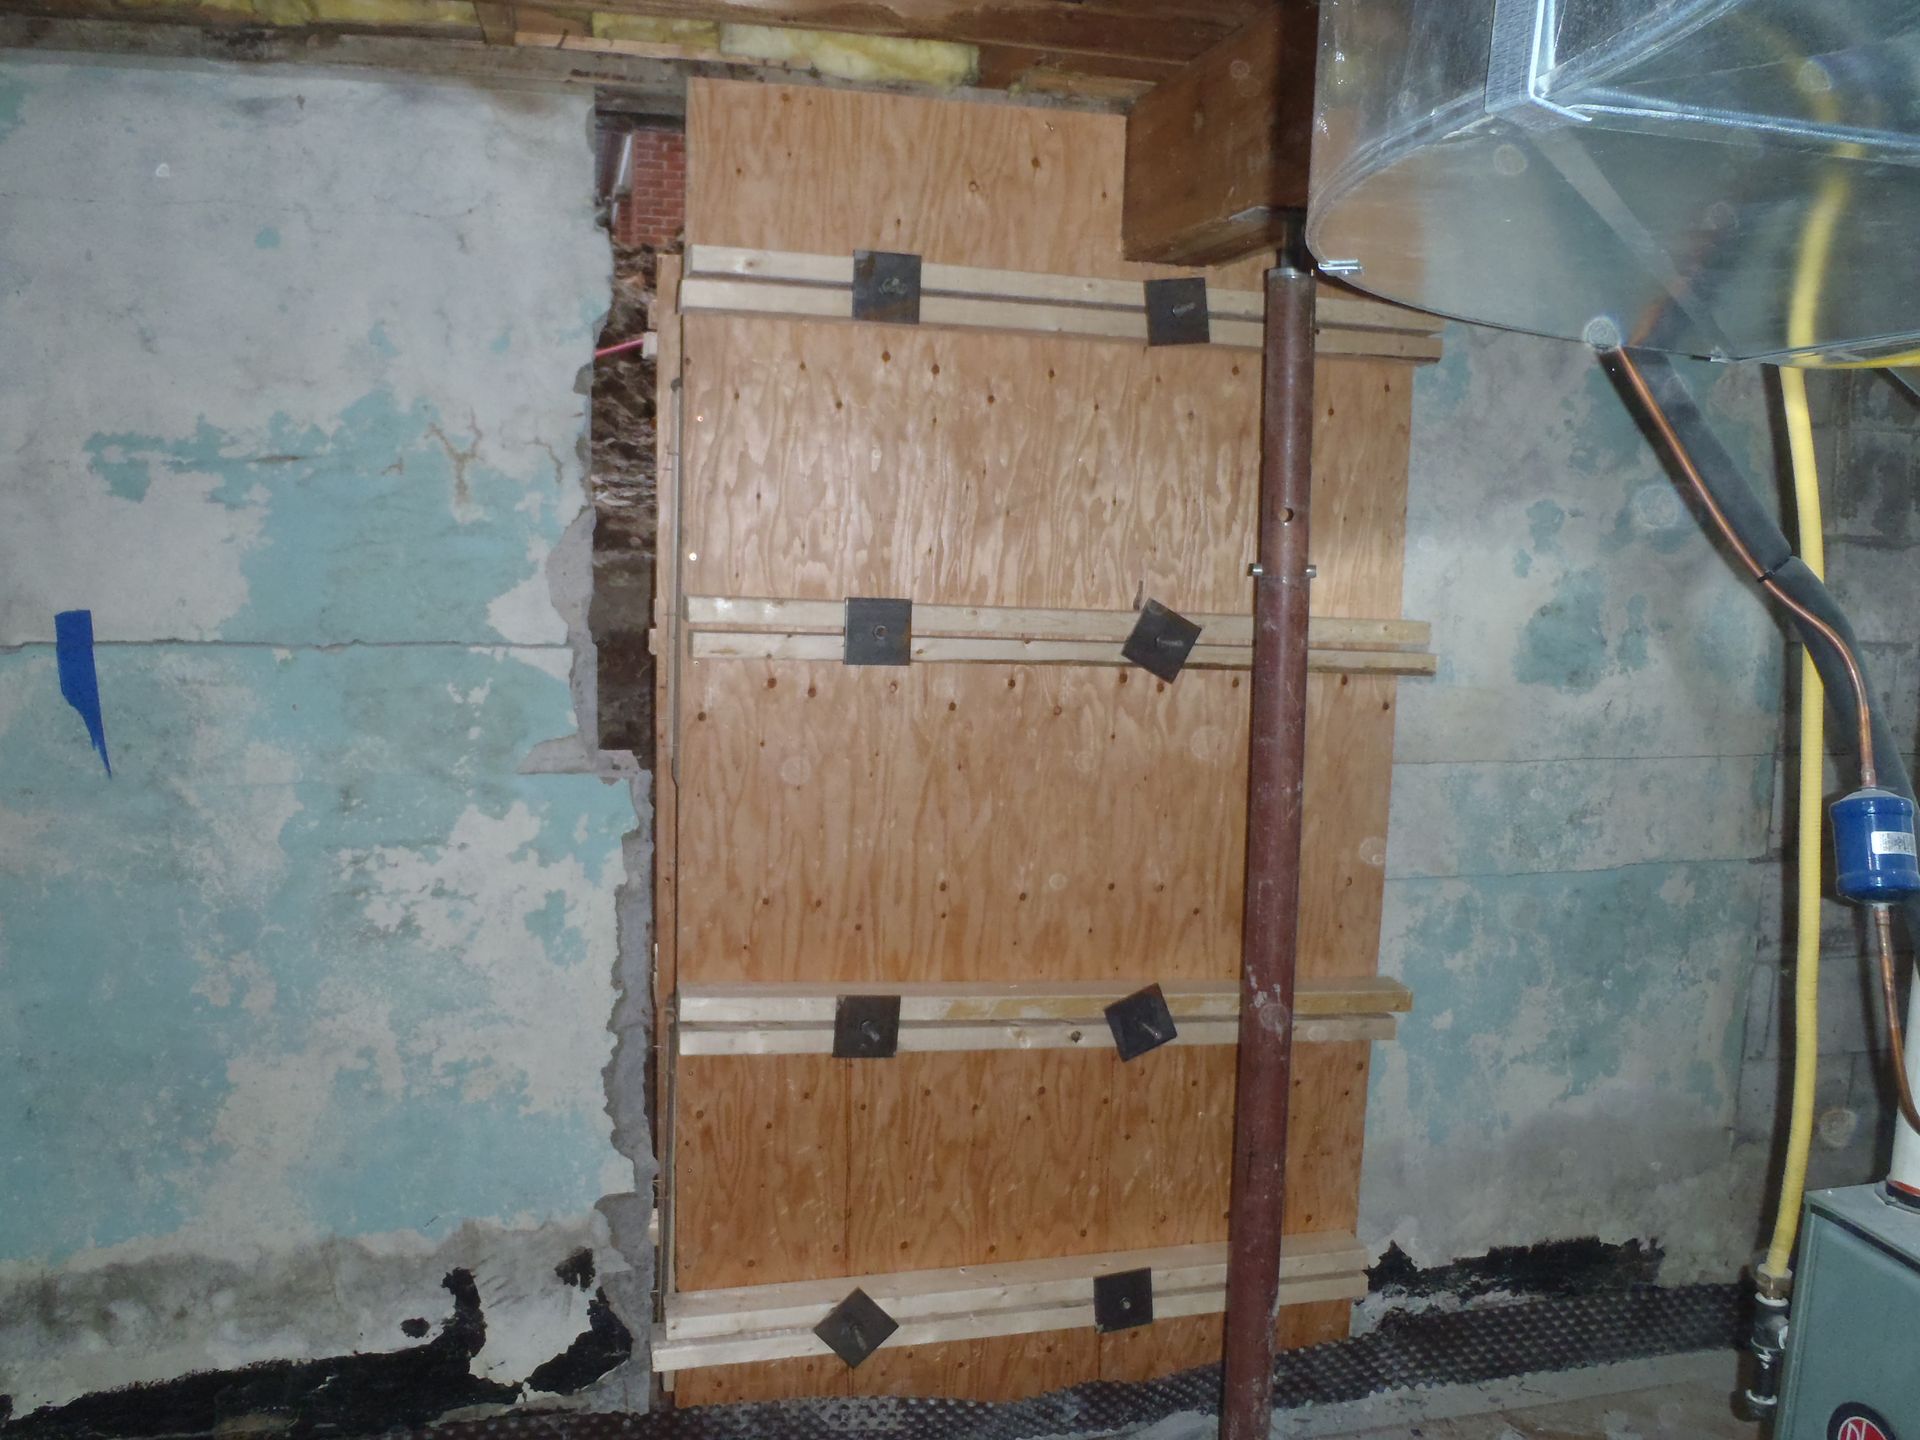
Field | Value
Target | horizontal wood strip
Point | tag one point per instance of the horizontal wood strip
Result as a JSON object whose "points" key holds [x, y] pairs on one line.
{"points": [[1332, 308], [1033, 317], [950, 650], [828, 617], [956, 1036], [770, 1322], [764, 1345], [919, 1294], [780, 1002]]}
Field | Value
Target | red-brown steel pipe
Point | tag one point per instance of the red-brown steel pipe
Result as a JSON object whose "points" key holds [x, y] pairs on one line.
{"points": [[1276, 762]]}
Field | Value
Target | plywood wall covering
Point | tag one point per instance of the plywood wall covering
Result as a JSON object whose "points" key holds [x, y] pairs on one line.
{"points": [[985, 822], [773, 167]]}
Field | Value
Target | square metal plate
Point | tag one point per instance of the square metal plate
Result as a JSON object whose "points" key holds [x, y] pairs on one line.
{"points": [[879, 632], [1177, 312], [1141, 1022], [1161, 641], [866, 1027], [855, 1328], [886, 287], [1122, 1301]]}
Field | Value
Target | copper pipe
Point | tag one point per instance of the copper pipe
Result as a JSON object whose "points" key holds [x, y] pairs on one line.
{"points": [[1869, 771], [1276, 765], [1890, 993]]}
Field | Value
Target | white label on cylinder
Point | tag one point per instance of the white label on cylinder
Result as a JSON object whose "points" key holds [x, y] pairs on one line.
{"points": [[1892, 842]]}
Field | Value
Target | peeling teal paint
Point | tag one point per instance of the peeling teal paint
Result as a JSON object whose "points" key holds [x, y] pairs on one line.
{"points": [[246, 851], [1632, 650], [266, 238], [1564, 643], [503, 342], [382, 344], [1507, 1026], [1441, 389], [1544, 519], [13, 97], [1522, 564], [346, 508]]}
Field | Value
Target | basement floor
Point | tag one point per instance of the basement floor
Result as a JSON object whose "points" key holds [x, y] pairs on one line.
{"points": [[1687, 1396], [1693, 1411]]}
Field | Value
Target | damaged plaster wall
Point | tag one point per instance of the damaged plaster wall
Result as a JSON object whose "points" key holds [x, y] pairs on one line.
{"points": [[1581, 806], [306, 1007]]}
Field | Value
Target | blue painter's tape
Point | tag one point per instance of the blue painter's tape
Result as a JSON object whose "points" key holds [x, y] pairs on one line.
{"points": [[79, 683]]}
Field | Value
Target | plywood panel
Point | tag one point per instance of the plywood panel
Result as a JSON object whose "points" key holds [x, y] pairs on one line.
{"points": [[1172, 1126], [761, 1169], [973, 469], [972, 1158], [1363, 416], [776, 167], [969, 822], [769, 1380], [976, 830], [1349, 778]]}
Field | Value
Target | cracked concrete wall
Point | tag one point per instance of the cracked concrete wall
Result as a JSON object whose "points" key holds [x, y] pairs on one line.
{"points": [[310, 1002], [1581, 804]]}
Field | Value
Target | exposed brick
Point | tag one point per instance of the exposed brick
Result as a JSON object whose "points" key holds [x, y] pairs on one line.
{"points": [[654, 210]]}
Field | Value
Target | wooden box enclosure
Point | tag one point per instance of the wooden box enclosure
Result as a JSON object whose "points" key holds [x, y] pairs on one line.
{"points": [[964, 823]]}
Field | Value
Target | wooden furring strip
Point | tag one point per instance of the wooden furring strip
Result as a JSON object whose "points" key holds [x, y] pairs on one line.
{"points": [[791, 1019], [826, 617], [726, 628], [772, 1322], [772, 282], [778, 1002]]}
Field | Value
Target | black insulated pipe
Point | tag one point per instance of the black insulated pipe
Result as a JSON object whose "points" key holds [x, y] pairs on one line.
{"points": [[1767, 543]]}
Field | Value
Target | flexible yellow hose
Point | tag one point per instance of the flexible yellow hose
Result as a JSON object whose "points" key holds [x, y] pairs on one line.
{"points": [[1776, 1271], [1777, 1267]]}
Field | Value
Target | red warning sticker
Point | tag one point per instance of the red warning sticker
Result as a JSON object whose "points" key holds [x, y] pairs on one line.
{"points": [[1858, 1422]]}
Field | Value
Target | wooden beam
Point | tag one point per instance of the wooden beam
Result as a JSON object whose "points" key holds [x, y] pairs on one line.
{"points": [[496, 20], [1071, 27], [791, 1019], [507, 41], [772, 1322], [653, 85], [1217, 155]]}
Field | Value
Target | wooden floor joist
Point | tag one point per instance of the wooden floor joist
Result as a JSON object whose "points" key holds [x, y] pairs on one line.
{"points": [[773, 1322], [791, 1019], [728, 628], [774, 282]]}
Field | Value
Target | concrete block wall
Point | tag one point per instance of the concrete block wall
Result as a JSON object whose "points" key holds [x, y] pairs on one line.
{"points": [[1578, 857], [1868, 436]]}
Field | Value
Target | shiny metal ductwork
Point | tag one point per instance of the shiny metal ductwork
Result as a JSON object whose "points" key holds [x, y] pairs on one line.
{"points": [[1639, 169]]}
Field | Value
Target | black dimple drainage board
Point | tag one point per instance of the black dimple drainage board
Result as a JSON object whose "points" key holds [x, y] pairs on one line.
{"points": [[1457, 1348]]}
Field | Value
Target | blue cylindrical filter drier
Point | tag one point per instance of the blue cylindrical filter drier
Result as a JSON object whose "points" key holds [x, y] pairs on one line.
{"points": [[1873, 849]]}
